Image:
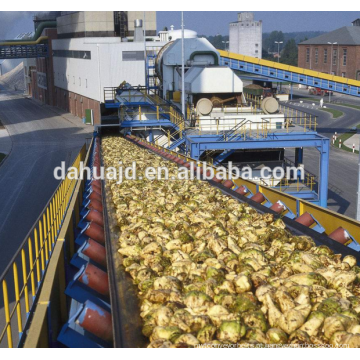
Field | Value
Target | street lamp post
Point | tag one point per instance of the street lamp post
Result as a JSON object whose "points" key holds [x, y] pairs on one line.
{"points": [[226, 43], [331, 63], [278, 44], [182, 67]]}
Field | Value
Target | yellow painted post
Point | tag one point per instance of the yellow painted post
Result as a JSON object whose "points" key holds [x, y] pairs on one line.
{"points": [[49, 235], [17, 297], [305, 123], [52, 223], [31, 265], [41, 246], [315, 123], [37, 255], [310, 123], [168, 138], [24, 274], [7, 313], [45, 239], [57, 201]]}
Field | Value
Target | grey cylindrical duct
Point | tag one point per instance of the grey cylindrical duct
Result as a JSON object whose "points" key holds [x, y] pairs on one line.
{"points": [[138, 31], [138, 23]]}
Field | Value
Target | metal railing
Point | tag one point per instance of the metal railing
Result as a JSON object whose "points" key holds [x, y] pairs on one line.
{"points": [[282, 184], [23, 277], [292, 117]]}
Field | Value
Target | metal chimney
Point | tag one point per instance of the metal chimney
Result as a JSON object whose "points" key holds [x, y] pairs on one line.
{"points": [[138, 30]]}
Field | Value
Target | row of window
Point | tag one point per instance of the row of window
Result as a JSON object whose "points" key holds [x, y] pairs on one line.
{"points": [[79, 54], [68, 78], [75, 54], [325, 57]]}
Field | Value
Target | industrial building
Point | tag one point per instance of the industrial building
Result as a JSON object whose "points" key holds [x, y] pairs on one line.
{"points": [[245, 35], [336, 53], [88, 51]]}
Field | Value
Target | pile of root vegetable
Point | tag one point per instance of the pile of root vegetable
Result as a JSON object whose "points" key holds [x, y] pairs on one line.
{"points": [[211, 270]]}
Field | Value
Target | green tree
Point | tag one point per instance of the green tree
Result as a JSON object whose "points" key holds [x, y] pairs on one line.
{"points": [[290, 53], [269, 42]]}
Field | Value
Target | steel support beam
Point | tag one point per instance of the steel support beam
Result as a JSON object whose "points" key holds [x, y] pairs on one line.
{"points": [[324, 172], [299, 155]]}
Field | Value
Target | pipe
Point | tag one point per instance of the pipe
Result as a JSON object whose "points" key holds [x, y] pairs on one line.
{"points": [[212, 53], [36, 39], [14, 42]]}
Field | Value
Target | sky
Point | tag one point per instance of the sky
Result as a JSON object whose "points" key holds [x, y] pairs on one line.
{"points": [[210, 23]]}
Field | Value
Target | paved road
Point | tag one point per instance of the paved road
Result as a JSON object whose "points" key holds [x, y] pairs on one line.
{"points": [[343, 167], [41, 139]]}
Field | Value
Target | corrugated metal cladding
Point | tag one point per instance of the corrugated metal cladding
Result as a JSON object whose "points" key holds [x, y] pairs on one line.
{"points": [[111, 63]]}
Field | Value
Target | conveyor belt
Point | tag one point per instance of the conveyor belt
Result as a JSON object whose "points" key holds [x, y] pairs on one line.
{"points": [[123, 293], [290, 73]]}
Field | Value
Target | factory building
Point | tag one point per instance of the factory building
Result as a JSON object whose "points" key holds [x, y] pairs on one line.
{"points": [[89, 51], [336, 52], [245, 35]]}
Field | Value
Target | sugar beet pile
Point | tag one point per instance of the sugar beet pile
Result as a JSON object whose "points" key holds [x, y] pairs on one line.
{"points": [[211, 270]]}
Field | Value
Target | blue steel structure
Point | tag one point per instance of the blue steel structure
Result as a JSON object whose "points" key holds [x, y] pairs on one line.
{"points": [[196, 144], [24, 51]]}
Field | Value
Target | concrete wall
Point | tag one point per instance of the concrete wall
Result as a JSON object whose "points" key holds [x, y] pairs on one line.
{"points": [[350, 70], [105, 68], [86, 24], [245, 36], [150, 21]]}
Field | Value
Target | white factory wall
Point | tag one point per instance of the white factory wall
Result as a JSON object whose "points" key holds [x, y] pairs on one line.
{"points": [[105, 69], [245, 37]]}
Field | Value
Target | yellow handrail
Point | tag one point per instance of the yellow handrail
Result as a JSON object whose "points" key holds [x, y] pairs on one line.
{"points": [[36, 250]]}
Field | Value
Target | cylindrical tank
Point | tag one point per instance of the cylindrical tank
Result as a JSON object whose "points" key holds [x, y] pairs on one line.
{"points": [[270, 105]]}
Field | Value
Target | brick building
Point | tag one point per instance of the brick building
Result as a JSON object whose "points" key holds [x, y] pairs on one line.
{"points": [[336, 52]]}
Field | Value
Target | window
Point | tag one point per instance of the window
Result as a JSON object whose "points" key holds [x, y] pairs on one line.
{"points": [[256, 51], [256, 45], [334, 56], [307, 55], [132, 55], [316, 55], [325, 56], [344, 57], [76, 54], [343, 74]]}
